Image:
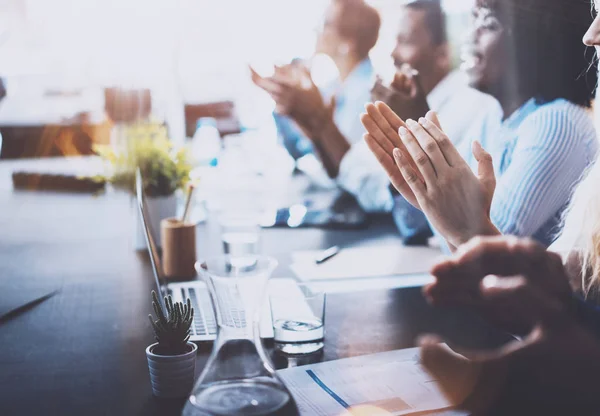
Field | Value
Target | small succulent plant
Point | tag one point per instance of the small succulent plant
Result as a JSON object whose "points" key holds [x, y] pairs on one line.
{"points": [[172, 329]]}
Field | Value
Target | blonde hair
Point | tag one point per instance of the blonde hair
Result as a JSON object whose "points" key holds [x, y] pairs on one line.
{"points": [[582, 228]]}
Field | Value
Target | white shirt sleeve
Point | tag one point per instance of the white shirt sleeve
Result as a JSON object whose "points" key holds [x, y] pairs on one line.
{"points": [[361, 175]]}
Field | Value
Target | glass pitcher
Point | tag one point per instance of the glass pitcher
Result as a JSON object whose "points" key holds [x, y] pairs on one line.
{"points": [[238, 378]]}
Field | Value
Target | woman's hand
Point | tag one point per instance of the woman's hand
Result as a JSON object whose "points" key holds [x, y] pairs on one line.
{"points": [[454, 199], [460, 280], [554, 370], [382, 137]]}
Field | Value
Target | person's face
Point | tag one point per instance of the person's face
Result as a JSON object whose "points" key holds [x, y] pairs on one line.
{"points": [[592, 36], [329, 41], [485, 54], [414, 43]]}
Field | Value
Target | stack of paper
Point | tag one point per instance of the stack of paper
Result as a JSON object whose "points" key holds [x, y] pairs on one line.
{"points": [[365, 262], [389, 383]]}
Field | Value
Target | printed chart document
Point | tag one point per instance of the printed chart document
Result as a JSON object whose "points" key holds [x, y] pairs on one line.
{"points": [[390, 383], [361, 262]]}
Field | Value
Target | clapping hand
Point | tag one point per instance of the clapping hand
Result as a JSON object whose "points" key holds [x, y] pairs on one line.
{"points": [[425, 167], [404, 94], [296, 95], [553, 370], [458, 280]]}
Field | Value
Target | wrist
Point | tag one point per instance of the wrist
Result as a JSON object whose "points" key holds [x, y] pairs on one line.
{"points": [[318, 124], [485, 229]]}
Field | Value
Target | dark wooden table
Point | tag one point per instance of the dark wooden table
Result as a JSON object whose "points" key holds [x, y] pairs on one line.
{"points": [[82, 351]]}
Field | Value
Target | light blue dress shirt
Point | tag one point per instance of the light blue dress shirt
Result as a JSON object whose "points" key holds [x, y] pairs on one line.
{"points": [[540, 154]]}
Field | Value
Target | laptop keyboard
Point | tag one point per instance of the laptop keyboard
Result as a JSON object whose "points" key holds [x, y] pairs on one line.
{"points": [[205, 323], [204, 318]]}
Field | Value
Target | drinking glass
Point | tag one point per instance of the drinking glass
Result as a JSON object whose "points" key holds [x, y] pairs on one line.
{"points": [[298, 320], [240, 234]]}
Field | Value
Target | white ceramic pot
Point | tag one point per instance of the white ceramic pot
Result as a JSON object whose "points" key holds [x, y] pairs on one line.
{"points": [[159, 208], [172, 376]]}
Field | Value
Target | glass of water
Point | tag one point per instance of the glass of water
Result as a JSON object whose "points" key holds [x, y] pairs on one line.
{"points": [[240, 234], [298, 320]]}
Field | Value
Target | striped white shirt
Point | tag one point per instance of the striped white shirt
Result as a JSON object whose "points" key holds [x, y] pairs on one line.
{"points": [[540, 153]]}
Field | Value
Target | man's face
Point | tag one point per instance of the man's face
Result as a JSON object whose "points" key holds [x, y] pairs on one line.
{"points": [[414, 44]]}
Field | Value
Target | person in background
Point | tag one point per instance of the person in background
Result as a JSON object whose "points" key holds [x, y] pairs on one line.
{"points": [[528, 55], [305, 116], [422, 46]]}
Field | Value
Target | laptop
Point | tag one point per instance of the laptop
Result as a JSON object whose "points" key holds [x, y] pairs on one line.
{"points": [[204, 326]]}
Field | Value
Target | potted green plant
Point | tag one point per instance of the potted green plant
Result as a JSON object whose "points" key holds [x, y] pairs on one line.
{"points": [[164, 171], [172, 359]]}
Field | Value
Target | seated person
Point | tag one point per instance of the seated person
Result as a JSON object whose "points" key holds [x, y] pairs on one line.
{"points": [[421, 42], [524, 289], [422, 45], [349, 31], [529, 56]]}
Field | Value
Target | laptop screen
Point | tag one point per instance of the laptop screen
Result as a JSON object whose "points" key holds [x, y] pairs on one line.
{"points": [[151, 244]]}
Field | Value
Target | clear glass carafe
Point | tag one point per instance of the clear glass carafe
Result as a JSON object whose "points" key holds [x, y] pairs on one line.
{"points": [[238, 378]]}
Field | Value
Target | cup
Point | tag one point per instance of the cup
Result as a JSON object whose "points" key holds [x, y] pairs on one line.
{"points": [[179, 248], [240, 235], [298, 320]]}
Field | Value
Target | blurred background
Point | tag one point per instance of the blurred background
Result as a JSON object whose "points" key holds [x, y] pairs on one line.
{"points": [[57, 59]]}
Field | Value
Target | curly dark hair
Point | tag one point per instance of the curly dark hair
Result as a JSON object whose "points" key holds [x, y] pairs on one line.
{"points": [[550, 58]]}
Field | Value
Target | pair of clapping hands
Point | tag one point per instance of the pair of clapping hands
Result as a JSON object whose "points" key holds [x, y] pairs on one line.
{"points": [[297, 96], [423, 164], [523, 289]]}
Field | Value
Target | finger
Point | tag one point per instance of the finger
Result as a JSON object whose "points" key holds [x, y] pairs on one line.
{"points": [[416, 85], [392, 118], [389, 165], [503, 256], [410, 175], [375, 131], [432, 116], [271, 87], [481, 255], [389, 132], [456, 375], [485, 168], [471, 263], [424, 165], [255, 76], [379, 92], [514, 299], [447, 148], [452, 297], [401, 81], [429, 145], [500, 255]]}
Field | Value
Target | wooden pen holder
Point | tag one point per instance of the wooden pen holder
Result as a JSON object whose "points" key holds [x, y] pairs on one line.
{"points": [[178, 248]]}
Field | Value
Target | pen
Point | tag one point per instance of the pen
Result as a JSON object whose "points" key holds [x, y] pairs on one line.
{"points": [[327, 254], [24, 308]]}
